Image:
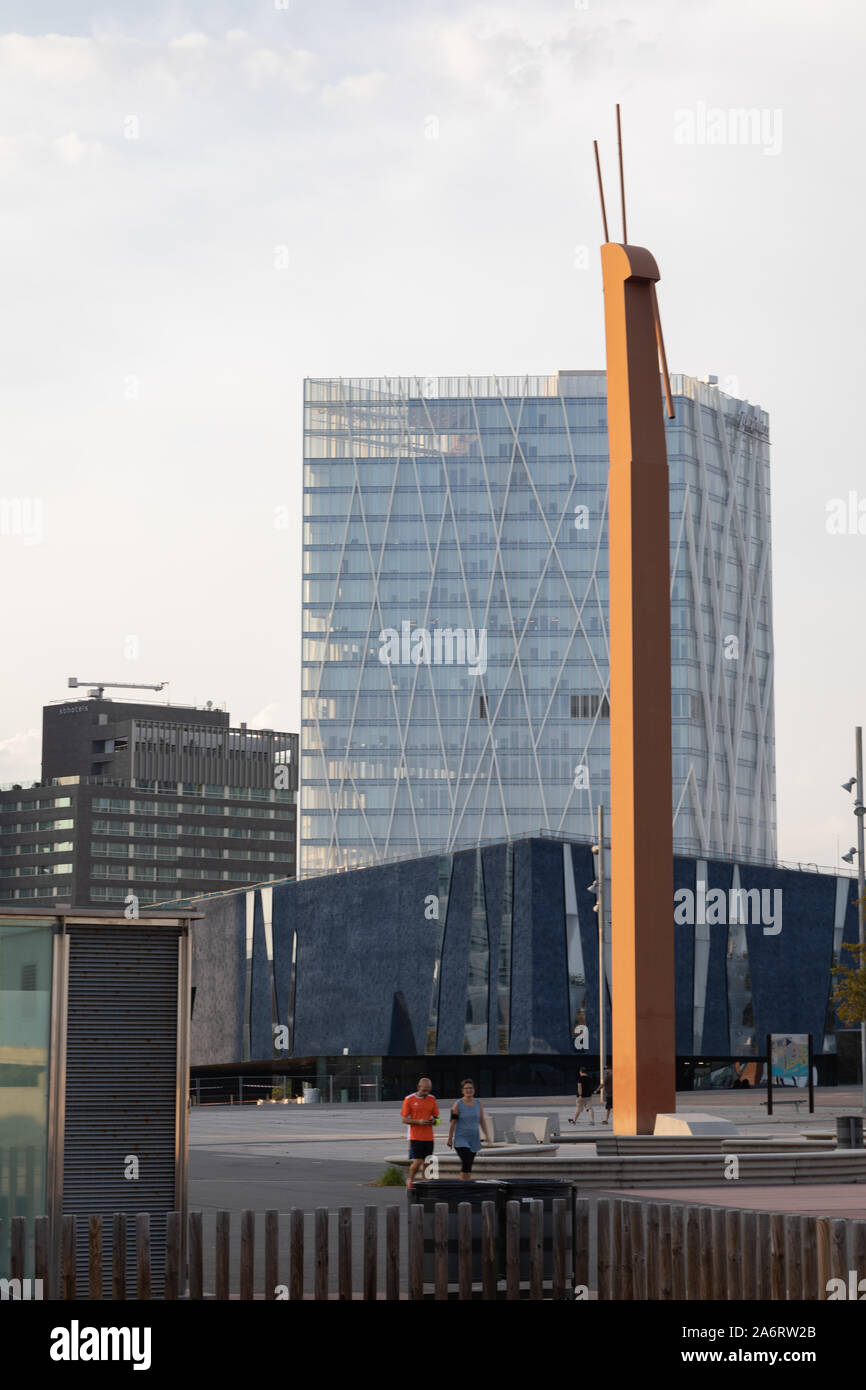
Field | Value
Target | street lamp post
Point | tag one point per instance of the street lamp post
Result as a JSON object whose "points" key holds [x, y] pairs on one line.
{"points": [[859, 812], [598, 851]]}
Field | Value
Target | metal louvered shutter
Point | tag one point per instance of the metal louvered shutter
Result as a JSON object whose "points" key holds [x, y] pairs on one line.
{"points": [[121, 1061]]}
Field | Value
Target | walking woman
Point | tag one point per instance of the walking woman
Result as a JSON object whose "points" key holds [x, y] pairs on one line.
{"points": [[464, 1133]]}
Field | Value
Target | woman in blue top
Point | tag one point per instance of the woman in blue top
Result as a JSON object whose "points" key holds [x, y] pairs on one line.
{"points": [[464, 1134]]}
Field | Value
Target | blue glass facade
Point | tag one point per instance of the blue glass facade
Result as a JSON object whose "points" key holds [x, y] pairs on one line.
{"points": [[455, 668], [474, 953]]}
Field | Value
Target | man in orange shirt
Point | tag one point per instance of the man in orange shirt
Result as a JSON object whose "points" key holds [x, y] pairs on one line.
{"points": [[420, 1112]]}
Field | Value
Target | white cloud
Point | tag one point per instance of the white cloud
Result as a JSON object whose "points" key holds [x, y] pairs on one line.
{"points": [[20, 756]]}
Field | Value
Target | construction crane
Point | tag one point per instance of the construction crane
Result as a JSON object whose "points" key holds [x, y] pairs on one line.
{"points": [[99, 687]]}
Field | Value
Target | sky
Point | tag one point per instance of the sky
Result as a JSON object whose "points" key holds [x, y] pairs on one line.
{"points": [[203, 203]]}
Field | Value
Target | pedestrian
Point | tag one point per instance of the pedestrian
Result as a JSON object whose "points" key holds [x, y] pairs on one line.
{"points": [[464, 1133], [420, 1112], [607, 1092], [584, 1094]]}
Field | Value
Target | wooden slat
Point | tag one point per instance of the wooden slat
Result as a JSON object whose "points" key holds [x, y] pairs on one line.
{"points": [[196, 1257], [67, 1257], [392, 1254], [666, 1276], [617, 1257], [778, 1279], [344, 1254], [18, 1247], [272, 1252], [172, 1254], [489, 1271], [416, 1251], [794, 1257], [512, 1250], [693, 1253], [652, 1250], [810, 1258], [705, 1252], [142, 1255], [840, 1262], [440, 1251], [638, 1251], [536, 1250], [822, 1245], [603, 1220], [580, 1246], [720, 1272], [94, 1257], [763, 1282], [222, 1235], [464, 1250], [296, 1254], [41, 1254], [678, 1251], [740, 1253], [321, 1256], [248, 1252], [558, 1231], [858, 1254], [371, 1253]]}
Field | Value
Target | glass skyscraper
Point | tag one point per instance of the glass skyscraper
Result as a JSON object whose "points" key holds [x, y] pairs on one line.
{"points": [[455, 628]]}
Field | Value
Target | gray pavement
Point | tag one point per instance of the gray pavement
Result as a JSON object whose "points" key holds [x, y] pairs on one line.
{"points": [[276, 1157]]}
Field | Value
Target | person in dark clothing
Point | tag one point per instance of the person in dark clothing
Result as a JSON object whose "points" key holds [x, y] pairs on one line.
{"points": [[585, 1091]]}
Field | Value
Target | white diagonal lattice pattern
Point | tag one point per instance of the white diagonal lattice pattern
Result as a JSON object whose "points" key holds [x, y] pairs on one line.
{"points": [[480, 506]]}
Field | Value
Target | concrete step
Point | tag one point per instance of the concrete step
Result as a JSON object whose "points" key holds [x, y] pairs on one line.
{"points": [[667, 1170]]}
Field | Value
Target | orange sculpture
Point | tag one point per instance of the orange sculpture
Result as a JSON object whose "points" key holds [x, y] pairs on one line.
{"points": [[642, 929]]}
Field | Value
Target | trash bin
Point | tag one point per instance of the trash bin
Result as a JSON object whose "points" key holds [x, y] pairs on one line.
{"points": [[546, 1191], [311, 1095], [344, 1097], [427, 1195], [849, 1132]]}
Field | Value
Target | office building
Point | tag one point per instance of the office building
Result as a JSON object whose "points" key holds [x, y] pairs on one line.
{"points": [[149, 800], [455, 617]]}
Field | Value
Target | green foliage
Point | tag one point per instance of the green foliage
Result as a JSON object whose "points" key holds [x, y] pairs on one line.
{"points": [[849, 996], [392, 1177]]}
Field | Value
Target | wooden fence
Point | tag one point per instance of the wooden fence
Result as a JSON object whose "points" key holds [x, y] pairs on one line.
{"points": [[673, 1250], [643, 1250]]}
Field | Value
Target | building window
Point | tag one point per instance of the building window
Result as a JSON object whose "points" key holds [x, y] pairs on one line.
{"points": [[588, 706]]}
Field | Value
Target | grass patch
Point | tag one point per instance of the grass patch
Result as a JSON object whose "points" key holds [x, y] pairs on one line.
{"points": [[392, 1177]]}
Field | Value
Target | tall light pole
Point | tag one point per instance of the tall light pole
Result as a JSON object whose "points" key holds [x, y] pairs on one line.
{"points": [[598, 851], [859, 812]]}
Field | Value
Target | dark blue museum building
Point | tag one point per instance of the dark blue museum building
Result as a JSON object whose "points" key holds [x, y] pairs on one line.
{"points": [[485, 962]]}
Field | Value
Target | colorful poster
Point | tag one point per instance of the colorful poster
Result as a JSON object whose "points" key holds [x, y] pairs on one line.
{"points": [[789, 1054]]}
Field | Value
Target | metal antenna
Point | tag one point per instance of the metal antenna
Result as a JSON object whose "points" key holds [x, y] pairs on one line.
{"points": [[662, 355], [621, 177], [600, 189]]}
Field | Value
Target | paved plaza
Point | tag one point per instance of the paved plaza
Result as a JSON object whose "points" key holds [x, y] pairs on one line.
{"points": [[275, 1157]]}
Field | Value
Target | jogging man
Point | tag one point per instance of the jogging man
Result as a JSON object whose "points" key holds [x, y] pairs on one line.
{"points": [[420, 1112]]}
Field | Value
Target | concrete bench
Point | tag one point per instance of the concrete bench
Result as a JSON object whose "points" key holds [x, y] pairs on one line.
{"points": [[505, 1123]]}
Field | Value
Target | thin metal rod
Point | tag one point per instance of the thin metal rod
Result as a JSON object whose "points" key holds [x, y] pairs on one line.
{"points": [[861, 888], [600, 189], [662, 355], [602, 1043], [621, 176]]}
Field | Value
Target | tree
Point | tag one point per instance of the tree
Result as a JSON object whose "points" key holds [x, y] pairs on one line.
{"points": [[849, 996]]}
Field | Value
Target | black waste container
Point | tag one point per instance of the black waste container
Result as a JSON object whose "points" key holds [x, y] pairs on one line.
{"points": [[849, 1132], [452, 1193], [546, 1191]]}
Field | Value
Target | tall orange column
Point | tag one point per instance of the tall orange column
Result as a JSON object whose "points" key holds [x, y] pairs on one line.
{"points": [[643, 1044]]}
